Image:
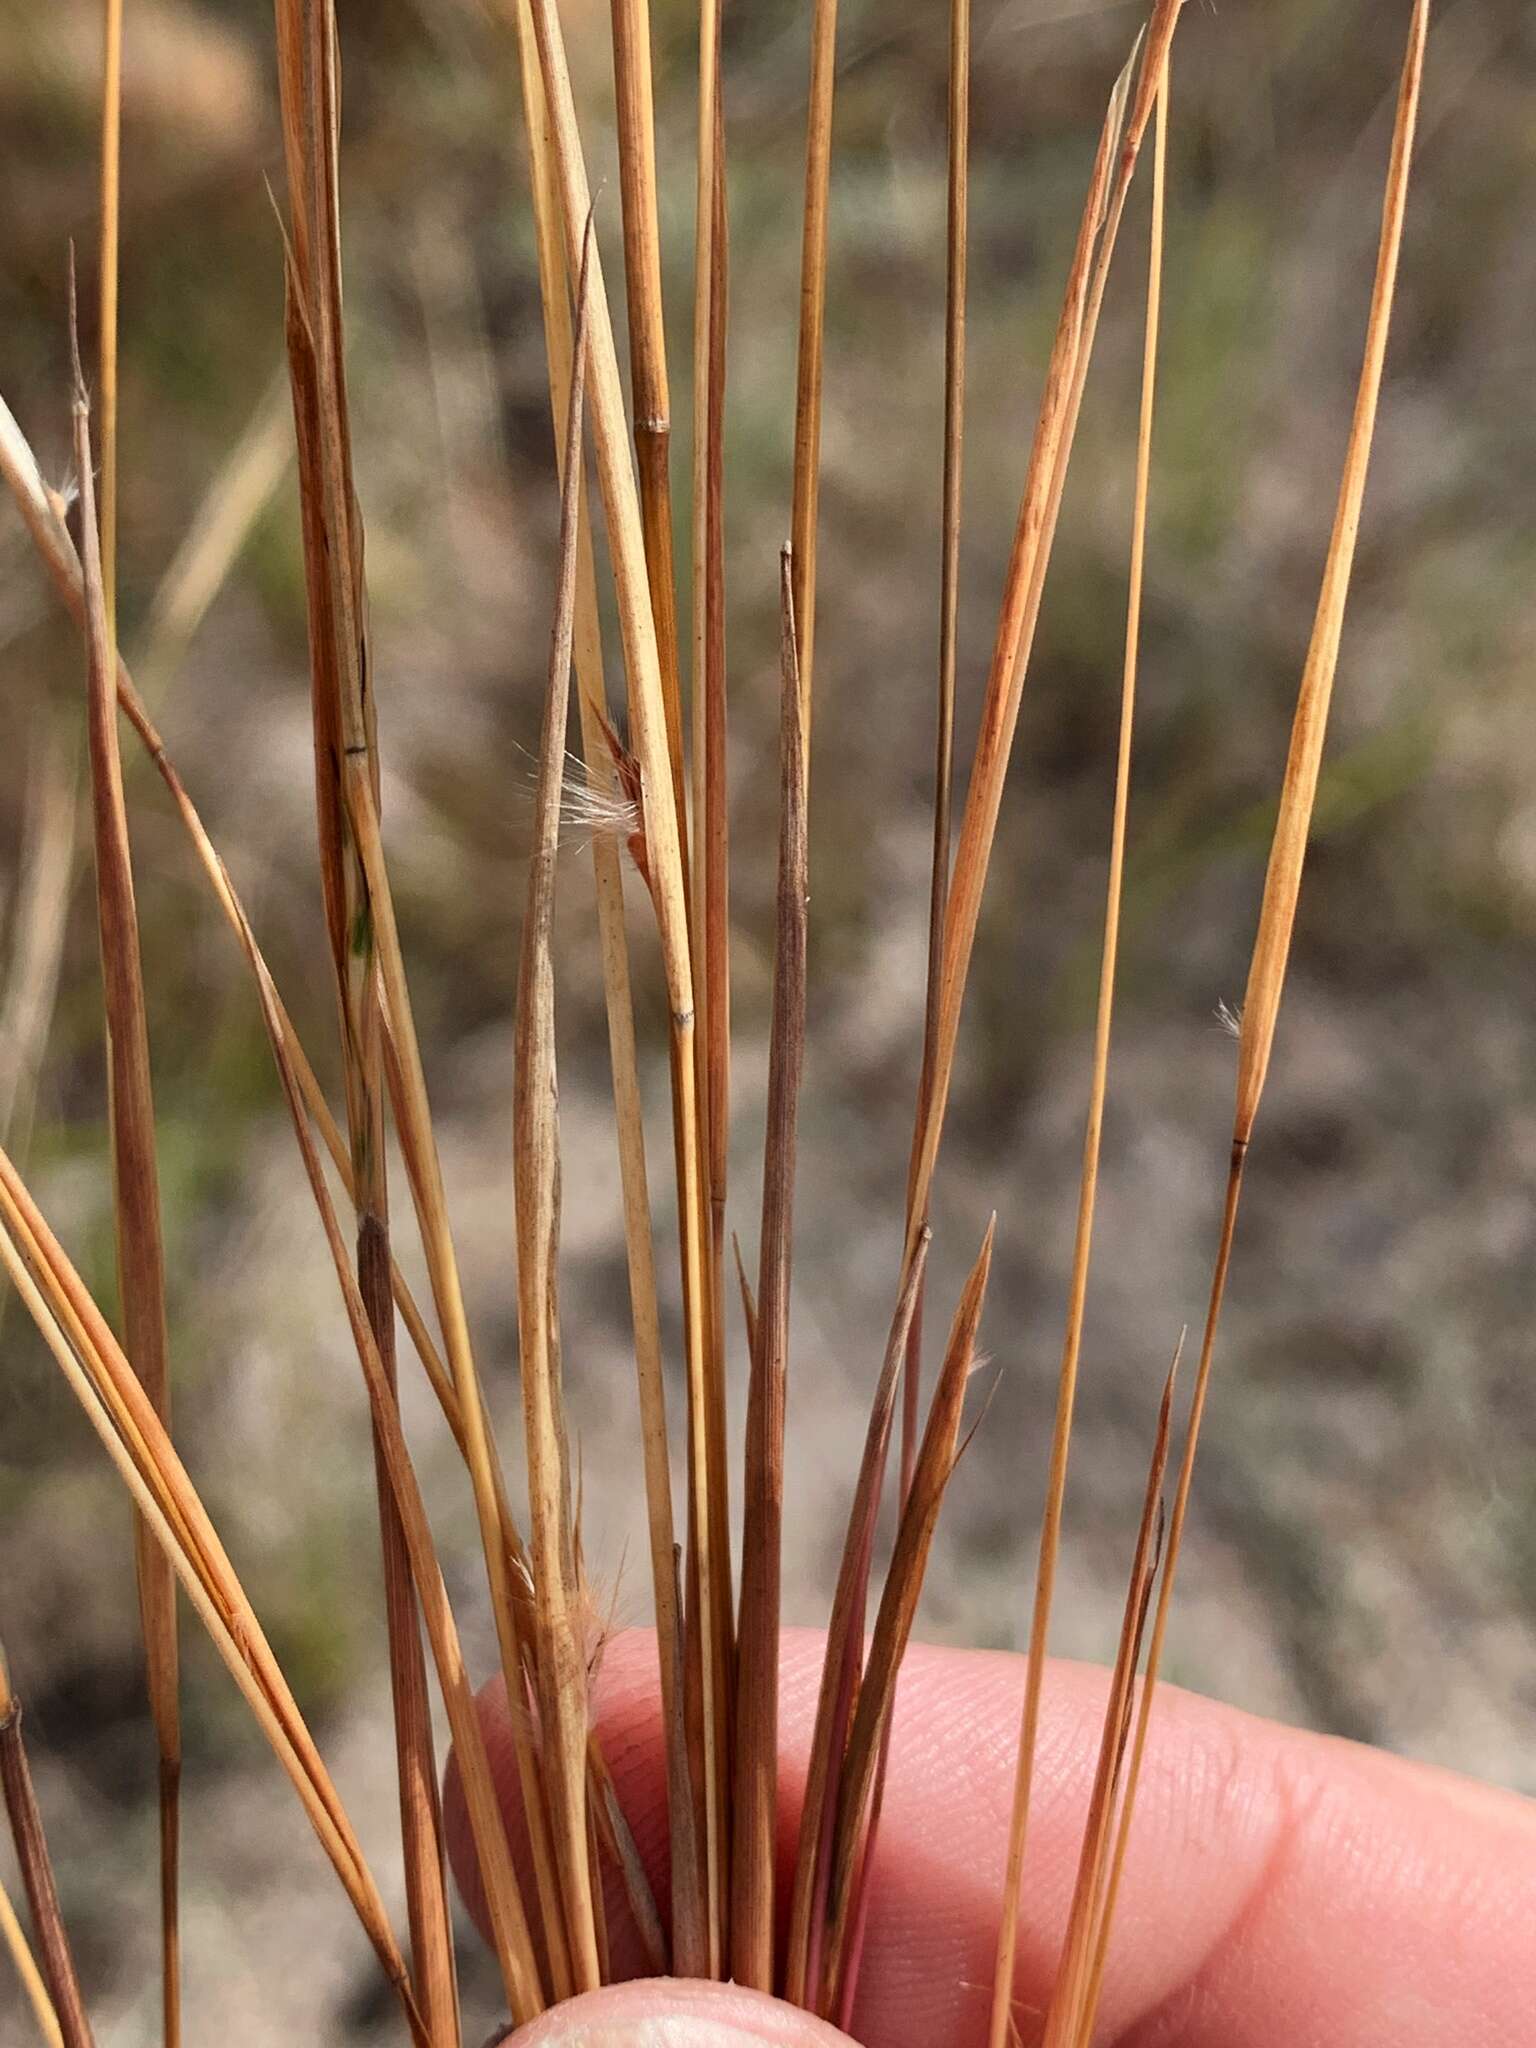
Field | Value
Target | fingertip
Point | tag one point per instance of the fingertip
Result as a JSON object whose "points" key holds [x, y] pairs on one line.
{"points": [[671, 2013], [1279, 1884]]}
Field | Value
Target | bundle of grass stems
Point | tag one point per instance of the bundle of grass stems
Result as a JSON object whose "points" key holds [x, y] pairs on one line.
{"points": [[658, 765]]}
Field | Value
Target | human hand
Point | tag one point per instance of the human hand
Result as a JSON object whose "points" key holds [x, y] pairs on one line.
{"points": [[1282, 1890]]}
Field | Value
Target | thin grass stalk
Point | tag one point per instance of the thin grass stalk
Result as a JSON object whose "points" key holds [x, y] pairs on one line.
{"points": [[843, 1659], [754, 1818], [707, 626], [635, 116], [1082, 1248], [936, 1460], [135, 1181], [561, 1659], [108, 280], [1064, 2016], [157, 1592], [810, 358], [710, 845], [14, 1936], [1282, 884], [1096, 1945], [957, 236], [862, 1882], [957, 258], [994, 742], [26, 1822], [689, 1939], [107, 1389], [600, 1910], [1066, 375], [861, 1898], [748, 1298], [344, 727]]}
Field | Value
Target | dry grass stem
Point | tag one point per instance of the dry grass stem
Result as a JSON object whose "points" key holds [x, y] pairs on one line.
{"points": [[560, 1654], [843, 1658], [756, 1803], [935, 1467], [14, 1936], [1082, 1248], [61, 2002], [811, 357], [1066, 375], [1069, 2022], [135, 1176], [709, 876], [109, 268], [957, 260], [636, 122], [748, 1298]]}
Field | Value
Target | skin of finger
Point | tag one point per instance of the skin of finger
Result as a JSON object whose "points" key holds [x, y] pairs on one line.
{"points": [[667, 2012], [1282, 1888]]}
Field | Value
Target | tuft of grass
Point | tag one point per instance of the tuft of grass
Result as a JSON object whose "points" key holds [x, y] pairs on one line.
{"points": [[660, 806]]}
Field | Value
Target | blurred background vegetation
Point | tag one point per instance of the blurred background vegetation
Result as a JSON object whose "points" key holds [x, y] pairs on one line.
{"points": [[1364, 1538]]}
